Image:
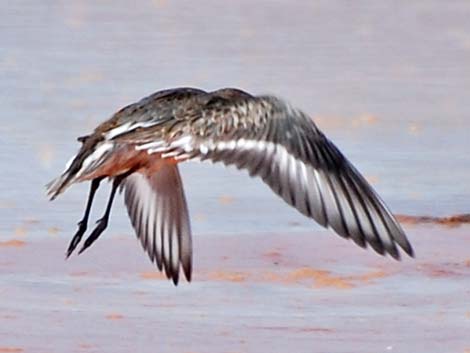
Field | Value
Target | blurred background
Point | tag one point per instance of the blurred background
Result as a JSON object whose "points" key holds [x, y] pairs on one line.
{"points": [[388, 82]]}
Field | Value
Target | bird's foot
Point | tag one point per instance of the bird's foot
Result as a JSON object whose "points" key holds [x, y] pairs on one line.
{"points": [[82, 227], [102, 223]]}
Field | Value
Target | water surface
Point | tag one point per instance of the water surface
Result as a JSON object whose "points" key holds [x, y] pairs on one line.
{"points": [[388, 82]]}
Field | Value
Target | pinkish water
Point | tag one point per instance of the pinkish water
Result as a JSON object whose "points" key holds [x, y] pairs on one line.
{"points": [[387, 82]]}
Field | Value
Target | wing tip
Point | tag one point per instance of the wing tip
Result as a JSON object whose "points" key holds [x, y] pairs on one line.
{"points": [[187, 270], [392, 249], [175, 278], [397, 254], [408, 249], [402, 241]]}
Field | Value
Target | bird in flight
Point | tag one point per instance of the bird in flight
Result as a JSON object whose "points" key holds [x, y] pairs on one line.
{"points": [[140, 146]]}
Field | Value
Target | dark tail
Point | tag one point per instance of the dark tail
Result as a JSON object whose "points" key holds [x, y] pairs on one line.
{"points": [[92, 153], [59, 184]]}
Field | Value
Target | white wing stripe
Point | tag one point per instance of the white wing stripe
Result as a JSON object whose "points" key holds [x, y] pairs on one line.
{"points": [[128, 127], [325, 190]]}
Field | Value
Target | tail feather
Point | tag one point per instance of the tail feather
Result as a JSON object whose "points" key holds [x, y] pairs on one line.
{"points": [[88, 159], [58, 185]]}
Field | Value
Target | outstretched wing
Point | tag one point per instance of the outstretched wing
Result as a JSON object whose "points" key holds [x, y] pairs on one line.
{"points": [[157, 208], [282, 145]]}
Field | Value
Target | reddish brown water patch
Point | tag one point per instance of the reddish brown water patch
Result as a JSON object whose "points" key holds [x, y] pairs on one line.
{"points": [[321, 278], [227, 276], [152, 275], [318, 278], [451, 221], [53, 230], [14, 243], [114, 316], [272, 277], [68, 302], [11, 350], [226, 200], [274, 256], [85, 346], [439, 271], [369, 277], [21, 231]]}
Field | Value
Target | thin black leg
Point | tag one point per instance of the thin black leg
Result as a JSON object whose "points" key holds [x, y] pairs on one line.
{"points": [[102, 223], [82, 225]]}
